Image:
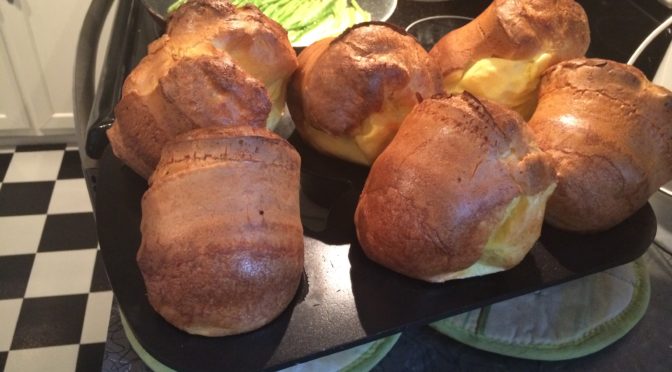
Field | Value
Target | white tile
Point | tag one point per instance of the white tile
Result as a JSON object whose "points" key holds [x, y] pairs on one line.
{"points": [[52, 359], [21, 234], [9, 314], [70, 196], [61, 273], [97, 317], [34, 166]]}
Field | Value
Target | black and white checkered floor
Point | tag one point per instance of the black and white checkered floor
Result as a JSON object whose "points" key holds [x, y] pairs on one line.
{"points": [[54, 296]]}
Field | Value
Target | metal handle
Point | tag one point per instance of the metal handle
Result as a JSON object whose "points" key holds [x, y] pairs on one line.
{"points": [[112, 76], [85, 62]]}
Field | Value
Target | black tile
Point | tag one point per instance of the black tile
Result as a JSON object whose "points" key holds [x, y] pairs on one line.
{"points": [[14, 274], [90, 357], [3, 360], [4, 164], [71, 167], [99, 282], [50, 321], [24, 198], [46, 147], [68, 231]]}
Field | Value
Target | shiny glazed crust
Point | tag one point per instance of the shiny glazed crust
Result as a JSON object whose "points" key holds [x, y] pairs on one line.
{"points": [[436, 194], [609, 131], [211, 68], [222, 241], [340, 82], [516, 29]]}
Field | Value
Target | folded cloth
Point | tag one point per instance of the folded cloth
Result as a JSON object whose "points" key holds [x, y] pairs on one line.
{"points": [[361, 358], [567, 321]]}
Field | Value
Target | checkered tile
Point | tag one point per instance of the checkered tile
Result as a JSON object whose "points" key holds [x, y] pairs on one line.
{"points": [[55, 298]]}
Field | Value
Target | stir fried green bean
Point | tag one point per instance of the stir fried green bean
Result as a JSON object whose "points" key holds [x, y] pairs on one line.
{"points": [[300, 17]]}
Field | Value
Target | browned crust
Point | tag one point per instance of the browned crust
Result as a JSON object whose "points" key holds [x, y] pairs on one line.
{"points": [[354, 27], [211, 68], [213, 92], [608, 129], [438, 191], [194, 15], [258, 44], [232, 301], [218, 144], [222, 241], [195, 92], [516, 29], [340, 82]]}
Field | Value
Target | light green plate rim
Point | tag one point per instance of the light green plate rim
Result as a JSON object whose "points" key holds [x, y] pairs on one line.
{"points": [[363, 363], [373, 355], [594, 340]]}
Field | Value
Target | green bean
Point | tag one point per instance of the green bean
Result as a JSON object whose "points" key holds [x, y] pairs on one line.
{"points": [[319, 14], [173, 7], [299, 17]]}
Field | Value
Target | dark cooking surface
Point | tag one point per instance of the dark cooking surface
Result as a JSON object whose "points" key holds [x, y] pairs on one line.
{"points": [[344, 299], [617, 28]]}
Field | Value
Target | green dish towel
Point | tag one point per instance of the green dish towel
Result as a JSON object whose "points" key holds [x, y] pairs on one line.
{"points": [[361, 358], [562, 322]]}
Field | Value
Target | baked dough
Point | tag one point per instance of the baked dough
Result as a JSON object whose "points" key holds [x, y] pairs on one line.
{"points": [[351, 93], [222, 241], [459, 192], [217, 65], [608, 130], [501, 54]]}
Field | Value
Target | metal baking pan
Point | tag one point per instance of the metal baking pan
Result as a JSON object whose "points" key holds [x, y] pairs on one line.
{"points": [[344, 298]]}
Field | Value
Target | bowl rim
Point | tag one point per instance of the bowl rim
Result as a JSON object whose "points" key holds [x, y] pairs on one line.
{"points": [[448, 16]]}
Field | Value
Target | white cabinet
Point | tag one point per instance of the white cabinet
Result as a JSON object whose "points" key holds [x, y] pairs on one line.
{"points": [[37, 54], [13, 117]]}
